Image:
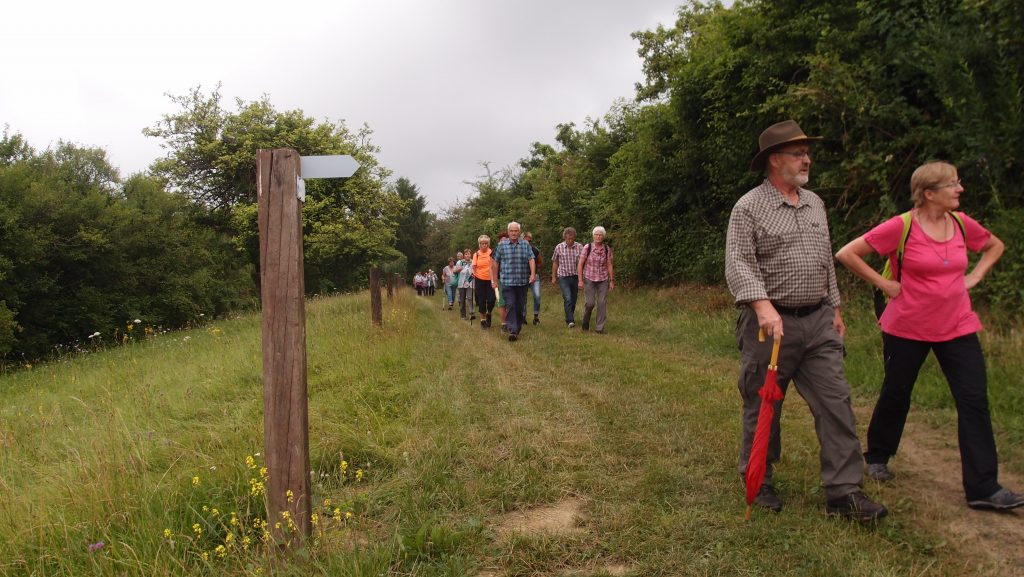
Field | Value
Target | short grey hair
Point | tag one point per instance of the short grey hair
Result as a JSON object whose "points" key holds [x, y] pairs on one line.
{"points": [[483, 237], [599, 229], [519, 226]]}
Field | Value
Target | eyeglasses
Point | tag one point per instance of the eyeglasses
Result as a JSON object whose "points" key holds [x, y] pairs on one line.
{"points": [[953, 184], [798, 155]]}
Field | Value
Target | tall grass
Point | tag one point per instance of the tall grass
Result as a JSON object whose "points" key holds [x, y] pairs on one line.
{"points": [[423, 433]]}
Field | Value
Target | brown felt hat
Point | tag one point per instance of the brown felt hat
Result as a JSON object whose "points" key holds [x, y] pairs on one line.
{"points": [[776, 136]]}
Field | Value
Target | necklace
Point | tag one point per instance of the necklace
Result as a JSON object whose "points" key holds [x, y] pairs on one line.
{"points": [[945, 245]]}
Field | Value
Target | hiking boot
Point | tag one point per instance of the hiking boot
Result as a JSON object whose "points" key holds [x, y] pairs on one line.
{"points": [[512, 337], [880, 472], [855, 506], [586, 326], [1001, 500], [768, 498], [536, 320]]}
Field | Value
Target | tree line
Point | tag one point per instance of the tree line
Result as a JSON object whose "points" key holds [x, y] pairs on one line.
{"points": [[888, 83]]}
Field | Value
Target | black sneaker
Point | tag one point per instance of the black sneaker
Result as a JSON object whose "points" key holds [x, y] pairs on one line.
{"points": [[586, 326], [856, 506], [768, 498], [880, 472], [1001, 500], [536, 320], [512, 337]]}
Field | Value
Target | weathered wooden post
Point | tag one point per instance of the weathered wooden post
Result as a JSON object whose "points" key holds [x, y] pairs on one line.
{"points": [[279, 191], [375, 305], [285, 404]]}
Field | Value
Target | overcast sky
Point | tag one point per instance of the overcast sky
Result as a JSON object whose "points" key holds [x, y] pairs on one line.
{"points": [[444, 84]]}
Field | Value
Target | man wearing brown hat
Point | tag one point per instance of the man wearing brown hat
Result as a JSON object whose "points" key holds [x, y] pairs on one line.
{"points": [[778, 263]]}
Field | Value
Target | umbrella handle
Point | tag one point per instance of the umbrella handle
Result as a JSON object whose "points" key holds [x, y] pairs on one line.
{"points": [[777, 341]]}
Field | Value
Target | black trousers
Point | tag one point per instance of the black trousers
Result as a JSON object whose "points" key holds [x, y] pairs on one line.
{"points": [[485, 297], [963, 365]]}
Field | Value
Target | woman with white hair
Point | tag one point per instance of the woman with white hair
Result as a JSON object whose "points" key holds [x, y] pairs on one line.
{"points": [[597, 277]]}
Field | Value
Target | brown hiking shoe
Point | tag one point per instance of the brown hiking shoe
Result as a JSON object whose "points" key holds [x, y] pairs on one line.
{"points": [[856, 506]]}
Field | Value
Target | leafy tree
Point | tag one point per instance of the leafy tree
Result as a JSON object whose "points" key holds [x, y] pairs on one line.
{"points": [[347, 224], [413, 226]]}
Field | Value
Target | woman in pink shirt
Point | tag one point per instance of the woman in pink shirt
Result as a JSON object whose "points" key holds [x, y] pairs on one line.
{"points": [[930, 310]]}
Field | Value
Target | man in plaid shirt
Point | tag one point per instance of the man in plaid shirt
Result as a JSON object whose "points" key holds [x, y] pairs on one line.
{"points": [[779, 267], [563, 272], [513, 261]]}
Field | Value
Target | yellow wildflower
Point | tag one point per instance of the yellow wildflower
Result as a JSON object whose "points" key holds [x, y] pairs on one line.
{"points": [[206, 556], [167, 533], [229, 538], [359, 474], [197, 529], [195, 481], [221, 551], [348, 515], [327, 503], [289, 495], [250, 462]]}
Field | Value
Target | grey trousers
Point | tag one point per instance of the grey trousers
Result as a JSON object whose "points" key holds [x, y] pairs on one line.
{"points": [[811, 354], [595, 294]]}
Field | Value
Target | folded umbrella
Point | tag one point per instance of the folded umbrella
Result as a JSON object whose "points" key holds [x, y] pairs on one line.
{"points": [[770, 393]]}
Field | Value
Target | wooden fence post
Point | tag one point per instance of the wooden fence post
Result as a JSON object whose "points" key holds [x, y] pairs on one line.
{"points": [[285, 401], [375, 305]]}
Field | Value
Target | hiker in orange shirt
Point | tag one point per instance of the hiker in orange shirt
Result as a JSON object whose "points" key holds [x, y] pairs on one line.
{"points": [[482, 279]]}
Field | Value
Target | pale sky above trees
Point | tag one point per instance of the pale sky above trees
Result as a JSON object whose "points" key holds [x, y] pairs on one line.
{"points": [[444, 84]]}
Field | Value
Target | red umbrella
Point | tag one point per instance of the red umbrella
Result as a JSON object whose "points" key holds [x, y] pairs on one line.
{"points": [[769, 393]]}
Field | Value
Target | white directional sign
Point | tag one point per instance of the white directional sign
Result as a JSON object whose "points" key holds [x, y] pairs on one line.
{"points": [[332, 166]]}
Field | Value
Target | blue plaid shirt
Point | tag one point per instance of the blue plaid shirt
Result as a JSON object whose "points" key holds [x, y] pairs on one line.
{"points": [[513, 262]]}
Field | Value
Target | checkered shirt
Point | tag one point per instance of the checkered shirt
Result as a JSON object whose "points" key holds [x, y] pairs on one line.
{"points": [[513, 262], [595, 269], [567, 258], [780, 252]]}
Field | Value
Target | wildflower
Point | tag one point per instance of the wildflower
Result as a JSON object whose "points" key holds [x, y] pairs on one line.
{"points": [[129, 327], [234, 519], [167, 533], [359, 474], [93, 547], [348, 515], [315, 519], [221, 551], [215, 512], [290, 496], [344, 467], [337, 513], [206, 509], [250, 462], [245, 542], [229, 538], [327, 503], [197, 529], [137, 321], [205, 556], [263, 472], [195, 481]]}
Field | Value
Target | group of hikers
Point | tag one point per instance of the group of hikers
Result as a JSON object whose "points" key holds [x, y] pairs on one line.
{"points": [[503, 277], [780, 270], [425, 282]]}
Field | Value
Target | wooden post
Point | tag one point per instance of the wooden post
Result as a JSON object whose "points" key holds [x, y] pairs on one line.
{"points": [[285, 403], [375, 312]]}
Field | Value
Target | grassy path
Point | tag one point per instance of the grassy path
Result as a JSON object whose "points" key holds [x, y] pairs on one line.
{"points": [[565, 453]]}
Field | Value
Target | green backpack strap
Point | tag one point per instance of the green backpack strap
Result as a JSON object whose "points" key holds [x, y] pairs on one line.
{"points": [[888, 268]]}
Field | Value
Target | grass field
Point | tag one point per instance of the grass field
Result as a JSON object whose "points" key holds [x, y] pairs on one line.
{"points": [[433, 442]]}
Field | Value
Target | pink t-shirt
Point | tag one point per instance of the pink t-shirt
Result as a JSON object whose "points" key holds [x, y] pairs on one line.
{"points": [[933, 304]]}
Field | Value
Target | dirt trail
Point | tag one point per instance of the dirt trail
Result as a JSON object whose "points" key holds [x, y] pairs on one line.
{"points": [[928, 475]]}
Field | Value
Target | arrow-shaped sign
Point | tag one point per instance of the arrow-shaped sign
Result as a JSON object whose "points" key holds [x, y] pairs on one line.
{"points": [[331, 166]]}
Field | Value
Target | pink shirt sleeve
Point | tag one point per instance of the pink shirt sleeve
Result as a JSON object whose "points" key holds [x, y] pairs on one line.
{"points": [[885, 238], [977, 235]]}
